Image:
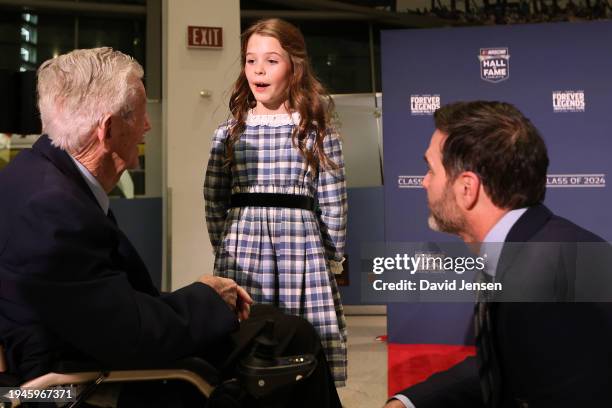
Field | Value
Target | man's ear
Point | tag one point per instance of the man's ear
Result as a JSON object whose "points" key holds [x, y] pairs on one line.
{"points": [[467, 189], [104, 130]]}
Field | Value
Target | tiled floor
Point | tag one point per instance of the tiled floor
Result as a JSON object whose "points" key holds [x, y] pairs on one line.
{"points": [[367, 363]]}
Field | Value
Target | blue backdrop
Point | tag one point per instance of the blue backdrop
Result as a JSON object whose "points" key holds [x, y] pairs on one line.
{"points": [[558, 75]]}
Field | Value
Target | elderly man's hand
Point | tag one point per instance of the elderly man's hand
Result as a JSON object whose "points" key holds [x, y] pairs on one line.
{"points": [[243, 303], [236, 297]]}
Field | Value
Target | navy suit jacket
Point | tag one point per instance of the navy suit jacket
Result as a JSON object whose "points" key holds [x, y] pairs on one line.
{"points": [[550, 354], [72, 286]]}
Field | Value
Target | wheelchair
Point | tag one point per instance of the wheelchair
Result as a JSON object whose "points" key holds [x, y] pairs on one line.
{"points": [[260, 374]]}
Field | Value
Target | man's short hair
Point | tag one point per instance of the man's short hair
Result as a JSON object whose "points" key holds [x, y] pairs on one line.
{"points": [[498, 143], [76, 90]]}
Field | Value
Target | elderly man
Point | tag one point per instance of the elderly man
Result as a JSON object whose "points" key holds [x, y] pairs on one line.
{"points": [[485, 182], [72, 286]]}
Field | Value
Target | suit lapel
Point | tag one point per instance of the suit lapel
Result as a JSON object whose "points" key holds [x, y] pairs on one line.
{"points": [[522, 231], [64, 163], [529, 224], [125, 253]]}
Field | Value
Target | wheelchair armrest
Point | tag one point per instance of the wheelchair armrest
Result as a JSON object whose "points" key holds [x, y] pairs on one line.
{"points": [[200, 367], [194, 365], [193, 370]]}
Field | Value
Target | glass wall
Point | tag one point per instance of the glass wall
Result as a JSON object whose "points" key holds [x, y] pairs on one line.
{"points": [[340, 53], [30, 37]]}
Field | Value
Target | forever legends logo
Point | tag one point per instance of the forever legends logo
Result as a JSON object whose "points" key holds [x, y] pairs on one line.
{"points": [[424, 104], [568, 101], [494, 64]]}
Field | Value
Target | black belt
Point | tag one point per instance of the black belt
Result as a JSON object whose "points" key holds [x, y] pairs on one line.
{"points": [[272, 200]]}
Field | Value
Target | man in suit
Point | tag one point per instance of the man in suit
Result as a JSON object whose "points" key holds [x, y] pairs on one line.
{"points": [[71, 284], [486, 182]]}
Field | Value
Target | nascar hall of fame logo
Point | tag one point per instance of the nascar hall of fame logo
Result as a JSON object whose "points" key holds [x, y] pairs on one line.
{"points": [[494, 64], [424, 104], [568, 101], [576, 180], [410, 181]]}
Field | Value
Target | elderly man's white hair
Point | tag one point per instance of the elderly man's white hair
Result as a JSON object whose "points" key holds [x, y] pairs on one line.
{"points": [[76, 90]]}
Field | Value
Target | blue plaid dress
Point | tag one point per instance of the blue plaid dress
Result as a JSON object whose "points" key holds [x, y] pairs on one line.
{"points": [[281, 255]]}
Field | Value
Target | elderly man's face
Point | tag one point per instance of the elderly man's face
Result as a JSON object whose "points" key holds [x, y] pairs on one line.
{"points": [[445, 215], [129, 131]]}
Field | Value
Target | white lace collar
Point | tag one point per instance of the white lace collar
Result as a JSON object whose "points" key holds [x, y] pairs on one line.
{"points": [[281, 119]]}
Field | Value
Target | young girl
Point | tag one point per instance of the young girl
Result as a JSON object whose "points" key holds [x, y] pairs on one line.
{"points": [[274, 189]]}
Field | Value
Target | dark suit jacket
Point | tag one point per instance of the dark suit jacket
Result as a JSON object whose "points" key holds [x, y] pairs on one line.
{"points": [[72, 286], [556, 354]]}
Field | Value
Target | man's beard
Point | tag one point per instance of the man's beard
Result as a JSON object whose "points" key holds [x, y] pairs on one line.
{"points": [[444, 215]]}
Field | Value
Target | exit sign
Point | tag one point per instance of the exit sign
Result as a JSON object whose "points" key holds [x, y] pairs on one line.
{"points": [[204, 37]]}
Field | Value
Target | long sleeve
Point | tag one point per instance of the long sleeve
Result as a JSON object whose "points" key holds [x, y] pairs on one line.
{"points": [[217, 187], [75, 287], [331, 197]]}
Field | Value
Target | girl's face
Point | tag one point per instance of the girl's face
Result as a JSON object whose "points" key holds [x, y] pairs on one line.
{"points": [[267, 69]]}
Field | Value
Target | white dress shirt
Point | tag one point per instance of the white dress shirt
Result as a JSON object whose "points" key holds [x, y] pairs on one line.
{"points": [[94, 186]]}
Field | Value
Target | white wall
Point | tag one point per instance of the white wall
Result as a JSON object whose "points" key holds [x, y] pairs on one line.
{"points": [[189, 121]]}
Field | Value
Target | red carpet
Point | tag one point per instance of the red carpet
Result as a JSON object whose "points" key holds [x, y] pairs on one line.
{"points": [[409, 364]]}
